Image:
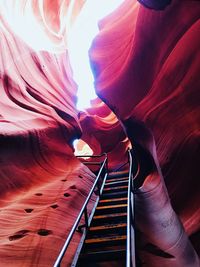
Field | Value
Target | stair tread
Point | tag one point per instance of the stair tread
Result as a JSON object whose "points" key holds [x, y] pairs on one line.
{"points": [[115, 188], [113, 200], [108, 180], [111, 207], [105, 239], [110, 226], [116, 182], [106, 247], [110, 215], [94, 258], [102, 252], [114, 195], [116, 179]]}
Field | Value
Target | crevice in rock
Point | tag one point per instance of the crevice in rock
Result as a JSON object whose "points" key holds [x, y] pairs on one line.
{"points": [[72, 187], [66, 194], [54, 206], [18, 235], [44, 232], [28, 210]]}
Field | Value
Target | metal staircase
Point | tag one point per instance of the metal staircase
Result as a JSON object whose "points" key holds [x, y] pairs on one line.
{"points": [[108, 233], [106, 237]]}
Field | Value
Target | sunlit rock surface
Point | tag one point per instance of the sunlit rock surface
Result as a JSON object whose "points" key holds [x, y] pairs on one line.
{"points": [[146, 66], [103, 131]]}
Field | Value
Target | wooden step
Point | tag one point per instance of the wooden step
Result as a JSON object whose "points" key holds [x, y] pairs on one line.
{"points": [[109, 202], [107, 218], [107, 227], [109, 240], [116, 180], [115, 189], [111, 229], [118, 183], [107, 230], [118, 246], [109, 215], [99, 256], [111, 207], [113, 195], [112, 200], [118, 174]]}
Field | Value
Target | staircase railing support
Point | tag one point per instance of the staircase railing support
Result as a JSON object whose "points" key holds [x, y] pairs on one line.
{"points": [[130, 245], [83, 211]]}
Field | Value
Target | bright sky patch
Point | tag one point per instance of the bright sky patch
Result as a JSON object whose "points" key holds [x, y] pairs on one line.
{"points": [[79, 42]]}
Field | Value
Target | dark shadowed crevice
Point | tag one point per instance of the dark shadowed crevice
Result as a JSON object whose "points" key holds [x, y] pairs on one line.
{"points": [[72, 187], [54, 206], [28, 210], [44, 232], [18, 235], [66, 194], [38, 194]]}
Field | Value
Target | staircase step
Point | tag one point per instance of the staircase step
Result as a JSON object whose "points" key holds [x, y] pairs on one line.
{"points": [[109, 195], [123, 187], [111, 207], [118, 174], [115, 189], [119, 246], [105, 241], [116, 183], [103, 255], [112, 201], [109, 218], [107, 227], [107, 230], [116, 179]]}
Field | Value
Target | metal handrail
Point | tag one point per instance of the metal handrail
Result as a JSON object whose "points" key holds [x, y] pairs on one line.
{"points": [[83, 211], [91, 156], [120, 167], [130, 245], [92, 162]]}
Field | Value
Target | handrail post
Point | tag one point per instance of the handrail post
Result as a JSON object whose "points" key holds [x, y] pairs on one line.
{"points": [[98, 189], [130, 253], [106, 164], [86, 217]]}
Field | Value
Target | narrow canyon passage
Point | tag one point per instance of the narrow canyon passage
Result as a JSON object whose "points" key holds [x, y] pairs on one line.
{"points": [[145, 62]]}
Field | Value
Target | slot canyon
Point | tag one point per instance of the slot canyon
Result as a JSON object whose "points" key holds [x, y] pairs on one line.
{"points": [[145, 60]]}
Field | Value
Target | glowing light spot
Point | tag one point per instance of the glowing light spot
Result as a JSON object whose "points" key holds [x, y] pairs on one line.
{"points": [[80, 39], [82, 148]]}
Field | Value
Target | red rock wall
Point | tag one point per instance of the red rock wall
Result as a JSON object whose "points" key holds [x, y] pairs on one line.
{"points": [[40, 177], [154, 78]]}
